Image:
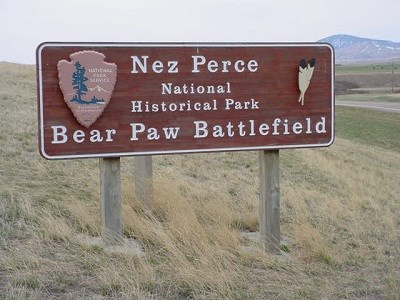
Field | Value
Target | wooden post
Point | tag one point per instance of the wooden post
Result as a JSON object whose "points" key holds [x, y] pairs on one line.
{"points": [[269, 200], [392, 77], [144, 178], [110, 180]]}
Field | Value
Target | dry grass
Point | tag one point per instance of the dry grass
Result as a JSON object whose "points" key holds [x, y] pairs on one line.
{"points": [[371, 80], [366, 79], [339, 214]]}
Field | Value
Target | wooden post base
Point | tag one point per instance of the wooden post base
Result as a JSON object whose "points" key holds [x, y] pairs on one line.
{"points": [[111, 210], [269, 200]]}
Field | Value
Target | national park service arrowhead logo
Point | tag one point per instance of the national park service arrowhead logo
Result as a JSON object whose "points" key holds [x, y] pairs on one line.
{"points": [[87, 83]]}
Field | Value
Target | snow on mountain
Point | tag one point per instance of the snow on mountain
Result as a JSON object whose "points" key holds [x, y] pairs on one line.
{"points": [[98, 89], [353, 49]]}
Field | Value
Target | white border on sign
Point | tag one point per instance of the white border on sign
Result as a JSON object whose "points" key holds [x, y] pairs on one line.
{"points": [[172, 45]]}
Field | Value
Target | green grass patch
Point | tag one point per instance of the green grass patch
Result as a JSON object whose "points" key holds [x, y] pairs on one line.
{"points": [[369, 97], [369, 127], [368, 68]]}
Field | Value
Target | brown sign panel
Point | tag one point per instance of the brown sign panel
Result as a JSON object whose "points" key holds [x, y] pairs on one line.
{"points": [[100, 100]]}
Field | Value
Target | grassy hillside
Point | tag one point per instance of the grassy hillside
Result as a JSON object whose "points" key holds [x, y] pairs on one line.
{"points": [[369, 127], [340, 218]]}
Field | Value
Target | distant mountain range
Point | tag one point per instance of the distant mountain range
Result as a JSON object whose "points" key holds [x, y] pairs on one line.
{"points": [[353, 49]]}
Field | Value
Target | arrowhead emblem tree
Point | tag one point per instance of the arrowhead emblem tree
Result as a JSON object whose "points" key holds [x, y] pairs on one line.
{"points": [[78, 83]]}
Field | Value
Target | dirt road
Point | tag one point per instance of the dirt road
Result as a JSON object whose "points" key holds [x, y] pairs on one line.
{"points": [[382, 106]]}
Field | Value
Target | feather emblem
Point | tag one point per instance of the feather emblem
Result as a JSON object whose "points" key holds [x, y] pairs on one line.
{"points": [[306, 71]]}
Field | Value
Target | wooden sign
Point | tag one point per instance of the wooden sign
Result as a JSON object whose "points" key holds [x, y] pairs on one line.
{"points": [[103, 100]]}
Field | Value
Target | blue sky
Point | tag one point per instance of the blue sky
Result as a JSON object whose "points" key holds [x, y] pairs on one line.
{"points": [[26, 23]]}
